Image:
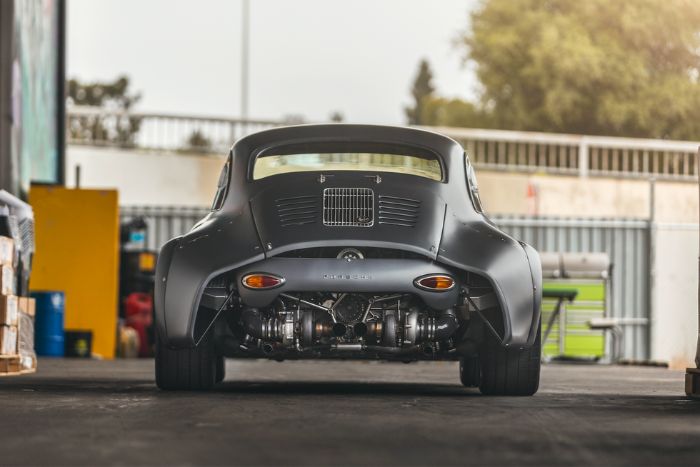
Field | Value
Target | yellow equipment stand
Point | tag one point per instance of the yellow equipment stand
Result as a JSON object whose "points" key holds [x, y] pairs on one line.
{"points": [[77, 251]]}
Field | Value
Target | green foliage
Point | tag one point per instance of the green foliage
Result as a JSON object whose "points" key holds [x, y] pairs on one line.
{"points": [[198, 141], [113, 97], [439, 111], [422, 91], [608, 67]]}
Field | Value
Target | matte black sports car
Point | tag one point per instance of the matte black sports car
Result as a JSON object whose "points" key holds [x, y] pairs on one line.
{"points": [[351, 242]]}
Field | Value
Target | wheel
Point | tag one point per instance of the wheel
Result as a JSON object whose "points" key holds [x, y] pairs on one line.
{"points": [[185, 369], [220, 368], [510, 371], [469, 371]]}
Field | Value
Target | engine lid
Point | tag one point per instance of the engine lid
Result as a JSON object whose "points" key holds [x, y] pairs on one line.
{"points": [[295, 211]]}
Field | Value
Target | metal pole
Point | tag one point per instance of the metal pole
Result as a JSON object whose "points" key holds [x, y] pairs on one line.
{"points": [[692, 375], [245, 39], [697, 351], [583, 158], [61, 95], [651, 292]]}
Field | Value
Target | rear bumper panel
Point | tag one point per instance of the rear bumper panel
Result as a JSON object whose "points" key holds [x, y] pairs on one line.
{"points": [[339, 275]]}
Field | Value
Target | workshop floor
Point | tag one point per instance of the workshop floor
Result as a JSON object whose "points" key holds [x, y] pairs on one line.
{"points": [[313, 413]]}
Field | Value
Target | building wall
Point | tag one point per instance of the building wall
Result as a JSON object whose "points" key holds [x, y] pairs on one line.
{"points": [[146, 178], [149, 178], [674, 311]]}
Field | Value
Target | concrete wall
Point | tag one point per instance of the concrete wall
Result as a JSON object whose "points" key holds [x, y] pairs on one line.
{"points": [[146, 178], [550, 195], [675, 295]]}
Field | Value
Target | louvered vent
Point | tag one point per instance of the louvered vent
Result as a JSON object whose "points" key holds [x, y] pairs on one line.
{"points": [[299, 210], [348, 207], [402, 212]]}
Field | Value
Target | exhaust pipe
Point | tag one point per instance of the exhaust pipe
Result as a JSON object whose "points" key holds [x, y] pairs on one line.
{"points": [[339, 329]]}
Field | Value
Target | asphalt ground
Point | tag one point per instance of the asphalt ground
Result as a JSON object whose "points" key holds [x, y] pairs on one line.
{"points": [[321, 413]]}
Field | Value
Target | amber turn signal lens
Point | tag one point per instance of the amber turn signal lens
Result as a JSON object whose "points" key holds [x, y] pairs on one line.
{"points": [[436, 282], [262, 281]]}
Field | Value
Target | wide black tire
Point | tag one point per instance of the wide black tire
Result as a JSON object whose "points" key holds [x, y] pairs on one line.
{"points": [[185, 369], [469, 371], [220, 368], [510, 371]]}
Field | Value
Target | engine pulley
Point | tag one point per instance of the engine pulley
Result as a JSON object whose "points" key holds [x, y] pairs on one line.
{"points": [[349, 309]]}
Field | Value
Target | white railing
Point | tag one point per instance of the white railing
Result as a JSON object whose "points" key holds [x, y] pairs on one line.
{"points": [[491, 149]]}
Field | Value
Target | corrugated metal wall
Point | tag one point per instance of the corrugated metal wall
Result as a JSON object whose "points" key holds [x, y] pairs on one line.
{"points": [[627, 244], [625, 241]]}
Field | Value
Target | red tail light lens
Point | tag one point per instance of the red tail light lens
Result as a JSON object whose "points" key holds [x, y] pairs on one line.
{"points": [[262, 281], [435, 282]]}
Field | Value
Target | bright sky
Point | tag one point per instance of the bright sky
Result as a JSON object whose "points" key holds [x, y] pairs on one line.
{"points": [[307, 57]]}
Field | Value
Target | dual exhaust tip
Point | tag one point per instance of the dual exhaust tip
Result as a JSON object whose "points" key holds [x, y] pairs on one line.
{"points": [[429, 282]]}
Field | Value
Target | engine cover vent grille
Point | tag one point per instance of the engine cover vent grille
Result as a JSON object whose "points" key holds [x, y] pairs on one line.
{"points": [[348, 207], [299, 210], [402, 212]]}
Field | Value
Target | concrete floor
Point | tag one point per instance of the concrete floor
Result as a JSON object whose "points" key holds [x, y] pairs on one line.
{"points": [[99, 412]]}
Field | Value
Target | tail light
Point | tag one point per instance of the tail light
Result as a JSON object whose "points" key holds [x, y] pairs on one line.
{"points": [[435, 282], [261, 281]]}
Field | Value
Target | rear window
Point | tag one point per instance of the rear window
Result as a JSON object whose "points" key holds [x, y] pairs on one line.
{"points": [[272, 164]]}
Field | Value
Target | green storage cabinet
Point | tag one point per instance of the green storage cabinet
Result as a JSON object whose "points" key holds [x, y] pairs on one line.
{"points": [[587, 274]]}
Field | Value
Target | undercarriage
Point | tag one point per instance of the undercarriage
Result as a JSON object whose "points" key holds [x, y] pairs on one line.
{"points": [[288, 324], [348, 325], [273, 310]]}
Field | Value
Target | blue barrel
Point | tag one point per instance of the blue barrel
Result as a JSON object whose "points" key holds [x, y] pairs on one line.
{"points": [[48, 325]]}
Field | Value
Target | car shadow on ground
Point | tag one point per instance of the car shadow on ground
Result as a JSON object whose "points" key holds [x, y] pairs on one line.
{"points": [[344, 388]]}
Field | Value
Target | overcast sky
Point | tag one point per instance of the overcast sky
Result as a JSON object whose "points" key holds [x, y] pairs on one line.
{"points": [[307, 57]]}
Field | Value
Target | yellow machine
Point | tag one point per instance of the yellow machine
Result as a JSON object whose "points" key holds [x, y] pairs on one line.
{"points": [[77, 251]]}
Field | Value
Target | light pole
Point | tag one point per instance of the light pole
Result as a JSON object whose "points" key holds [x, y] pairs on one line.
{"points": [[692, 375], [245, 38]]}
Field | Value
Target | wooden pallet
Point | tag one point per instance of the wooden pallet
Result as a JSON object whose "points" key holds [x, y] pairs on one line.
{"points": [[10, 365]]}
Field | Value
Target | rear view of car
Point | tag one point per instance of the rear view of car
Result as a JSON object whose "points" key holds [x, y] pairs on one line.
{"points": [[352, 242]]}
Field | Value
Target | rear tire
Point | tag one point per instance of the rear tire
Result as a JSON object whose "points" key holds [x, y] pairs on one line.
{"points": [[469, 371], [185, 369], [510, 371]]}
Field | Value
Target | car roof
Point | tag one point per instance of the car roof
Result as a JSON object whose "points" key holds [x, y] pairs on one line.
{"points": [[346, 136]]}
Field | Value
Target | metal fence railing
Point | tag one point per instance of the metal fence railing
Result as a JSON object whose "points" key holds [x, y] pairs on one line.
{"points": [[578, 154], [626, 241], [490, 149]]}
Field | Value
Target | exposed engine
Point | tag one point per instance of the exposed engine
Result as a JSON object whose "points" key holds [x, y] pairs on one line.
{"points": [[391, 323]]}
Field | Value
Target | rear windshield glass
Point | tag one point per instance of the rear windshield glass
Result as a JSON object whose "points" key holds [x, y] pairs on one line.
{"points": [[268, 165]]}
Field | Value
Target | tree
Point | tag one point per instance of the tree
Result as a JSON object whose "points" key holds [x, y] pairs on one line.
{"points": [[628, 68], [197, 141], [440, 111], [421, 91], [108, 127]]}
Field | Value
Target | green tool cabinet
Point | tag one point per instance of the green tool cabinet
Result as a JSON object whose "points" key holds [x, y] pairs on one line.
{"points": [[587, 274]]}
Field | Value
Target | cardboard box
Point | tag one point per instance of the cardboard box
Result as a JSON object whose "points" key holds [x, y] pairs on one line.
{"points": [[10, 365], [26, 305], [8, 340], [9, 310], [7, 280], [7, 251]]}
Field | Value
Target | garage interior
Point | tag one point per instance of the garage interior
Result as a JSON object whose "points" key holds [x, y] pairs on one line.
{"points": [[89, 195]]}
